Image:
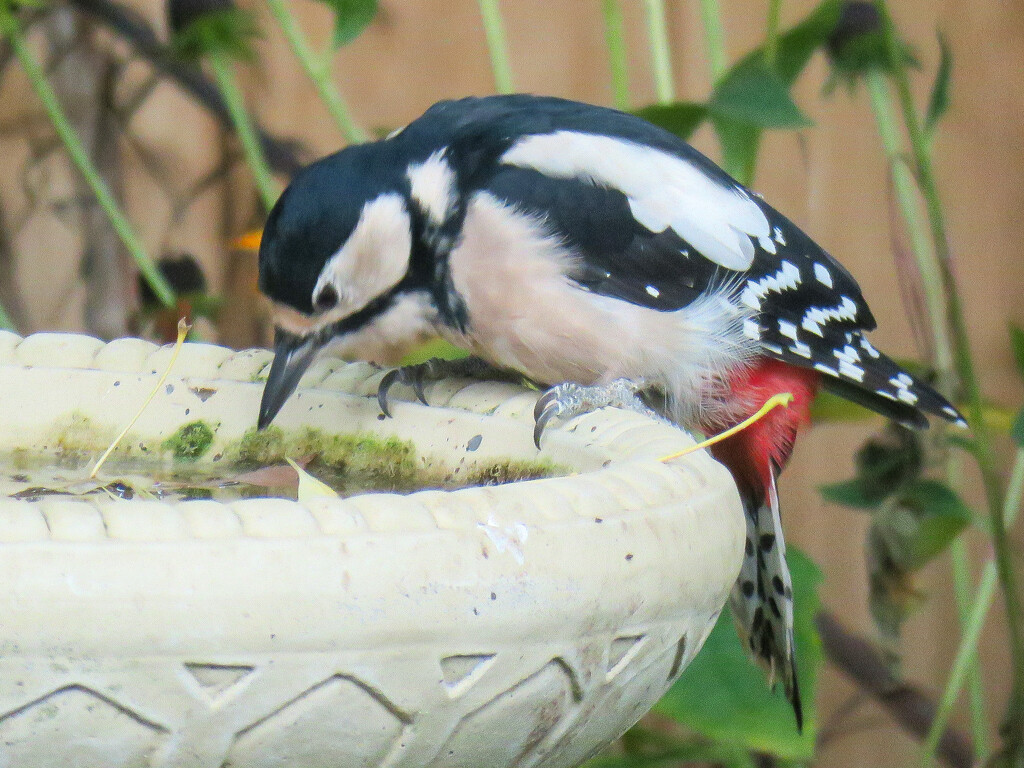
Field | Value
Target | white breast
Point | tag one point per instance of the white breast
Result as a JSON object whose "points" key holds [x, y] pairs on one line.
{"points": [[526, 314]]}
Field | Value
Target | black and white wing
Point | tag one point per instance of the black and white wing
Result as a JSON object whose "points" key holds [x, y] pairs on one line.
{"points": [[658, 224]]}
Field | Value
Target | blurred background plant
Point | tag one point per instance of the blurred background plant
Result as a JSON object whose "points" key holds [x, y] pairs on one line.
{"points": [[101, 72]]}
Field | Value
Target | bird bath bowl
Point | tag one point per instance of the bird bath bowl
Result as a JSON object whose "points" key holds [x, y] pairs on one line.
{"points": [[523, 624]]}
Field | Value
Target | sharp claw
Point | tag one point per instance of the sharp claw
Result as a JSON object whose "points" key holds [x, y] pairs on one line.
{"points": [[418, 384], [386, 383], [541, 404], [546, 410]]}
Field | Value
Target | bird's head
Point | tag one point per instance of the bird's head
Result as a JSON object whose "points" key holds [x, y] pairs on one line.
{"points": [[334, 257]]}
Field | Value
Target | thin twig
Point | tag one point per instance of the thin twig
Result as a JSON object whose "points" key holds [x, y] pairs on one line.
{"points": [[908, 705]]}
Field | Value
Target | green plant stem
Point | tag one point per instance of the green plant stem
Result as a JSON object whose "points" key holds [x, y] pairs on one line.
{"points": [[984, 451], [976, 621], [268, 187], [80, 157], [975, 692], [661, 51], [917, 228], [615, 38], [714, 37], [934, 291], [497, 46], [771, 46], [318, 71]]}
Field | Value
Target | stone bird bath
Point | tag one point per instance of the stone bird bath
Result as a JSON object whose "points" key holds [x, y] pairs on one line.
{"points": [[524, 624]]}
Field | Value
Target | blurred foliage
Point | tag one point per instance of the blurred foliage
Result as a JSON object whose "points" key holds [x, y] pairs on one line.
{"points": [[913, 520], [857, 45], [351, 17], [753, 95], [201, 27]]}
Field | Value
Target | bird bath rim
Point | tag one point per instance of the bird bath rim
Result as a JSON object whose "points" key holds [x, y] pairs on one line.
{"points": [[532, 621]]}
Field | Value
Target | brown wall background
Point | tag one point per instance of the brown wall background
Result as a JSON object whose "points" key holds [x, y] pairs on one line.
{"points": [[831, 179]]}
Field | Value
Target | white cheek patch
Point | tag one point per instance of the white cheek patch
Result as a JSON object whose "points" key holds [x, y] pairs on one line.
{"points": [[407, 324], [373, 259], [432, 184], [720, 221]]}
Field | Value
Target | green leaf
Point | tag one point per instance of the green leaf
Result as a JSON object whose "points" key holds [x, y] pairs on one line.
{"points": [[798, 44], [740, 142], [1017, 432], [677, 751], [941, 515], [724, 696], [757, 96], [351, 17], [849, 493], [1017, 342], [681, 118], [939, 102]]}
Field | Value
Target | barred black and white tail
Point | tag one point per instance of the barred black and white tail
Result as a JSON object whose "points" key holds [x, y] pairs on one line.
{"points": [[762, 599]]}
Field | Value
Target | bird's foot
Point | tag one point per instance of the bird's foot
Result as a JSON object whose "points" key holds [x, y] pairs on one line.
{"points": [[570, 399], [435, 369]]}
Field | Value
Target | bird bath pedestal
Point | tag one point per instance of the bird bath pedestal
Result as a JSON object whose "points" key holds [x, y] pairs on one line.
{"points": [[525, 624]]}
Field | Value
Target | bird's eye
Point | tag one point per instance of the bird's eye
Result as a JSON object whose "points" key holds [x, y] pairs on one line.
{"points": [[326, 299]]}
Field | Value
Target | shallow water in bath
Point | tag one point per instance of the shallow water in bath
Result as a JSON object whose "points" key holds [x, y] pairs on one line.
{"points": [[34, 478]]}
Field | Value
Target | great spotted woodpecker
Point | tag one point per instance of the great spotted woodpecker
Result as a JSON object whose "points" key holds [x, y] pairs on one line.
{"points": [[586, 248]]}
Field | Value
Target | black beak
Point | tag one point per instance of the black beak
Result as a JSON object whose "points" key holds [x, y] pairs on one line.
{"points": [[292, 356]]}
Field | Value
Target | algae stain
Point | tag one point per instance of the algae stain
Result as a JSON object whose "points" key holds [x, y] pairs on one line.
{"points": [[378, 459], [190, 442], [78, 437], [504, 471]]}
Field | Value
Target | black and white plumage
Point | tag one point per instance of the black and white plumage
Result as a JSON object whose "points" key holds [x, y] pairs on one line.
{"points": [[576, 243]]}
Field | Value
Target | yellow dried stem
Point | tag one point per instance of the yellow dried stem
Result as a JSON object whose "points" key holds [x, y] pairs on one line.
{"points": [[183, 329], [783, 399]]}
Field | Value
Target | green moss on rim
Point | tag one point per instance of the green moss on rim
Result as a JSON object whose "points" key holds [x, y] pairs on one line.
{"points": [[190, 442]]}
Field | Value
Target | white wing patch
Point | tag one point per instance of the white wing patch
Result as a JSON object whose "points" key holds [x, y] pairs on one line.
{"points": [[432, 185], [815, 317], [824, 276], [785, 279], [664, 191]]}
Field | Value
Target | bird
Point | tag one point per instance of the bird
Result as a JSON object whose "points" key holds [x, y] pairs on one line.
{"points": [[602, 257]]}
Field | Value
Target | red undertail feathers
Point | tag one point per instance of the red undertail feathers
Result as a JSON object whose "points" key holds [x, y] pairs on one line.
{"points": [[762, 599]]}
